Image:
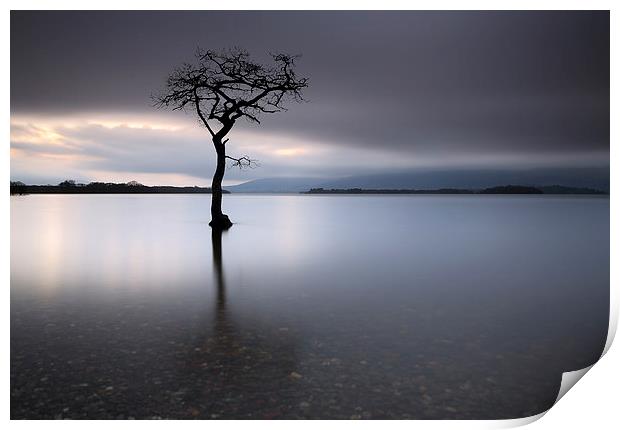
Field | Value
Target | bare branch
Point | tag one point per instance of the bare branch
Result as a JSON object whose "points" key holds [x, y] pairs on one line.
{"points": [[243, 162], [224, 86], [200, 115]]}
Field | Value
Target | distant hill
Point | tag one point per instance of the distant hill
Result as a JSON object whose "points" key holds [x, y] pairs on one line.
{"points": [[595, 178], [504, 189], [70, 187], [276, 185], [571, 180], [511, 189], [558, 189]]}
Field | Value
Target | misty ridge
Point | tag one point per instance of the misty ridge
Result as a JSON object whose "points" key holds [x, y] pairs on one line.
{"points": [[585, 180], [133, 187], [593, 179]]}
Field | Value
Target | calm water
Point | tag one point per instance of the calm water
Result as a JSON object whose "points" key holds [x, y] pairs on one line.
{"points": [[310, 306]]}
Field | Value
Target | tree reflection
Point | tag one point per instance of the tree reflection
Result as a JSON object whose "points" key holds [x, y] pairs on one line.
{"points": [[244, 367], [218, 270]]}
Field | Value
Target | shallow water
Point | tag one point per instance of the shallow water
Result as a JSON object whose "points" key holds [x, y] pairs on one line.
{"points": [[310, 306]]}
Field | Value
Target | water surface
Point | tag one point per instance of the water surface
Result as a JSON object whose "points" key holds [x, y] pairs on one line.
{"points": [[309, 307]]}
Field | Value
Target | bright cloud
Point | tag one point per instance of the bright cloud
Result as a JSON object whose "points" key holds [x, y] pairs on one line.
{"points": [[175, 150]]}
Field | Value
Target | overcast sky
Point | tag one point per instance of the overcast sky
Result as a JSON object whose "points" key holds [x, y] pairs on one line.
{"points": [[388, 91]]}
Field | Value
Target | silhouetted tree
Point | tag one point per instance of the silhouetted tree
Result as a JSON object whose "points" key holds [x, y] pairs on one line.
{"points": [[222, 87]]}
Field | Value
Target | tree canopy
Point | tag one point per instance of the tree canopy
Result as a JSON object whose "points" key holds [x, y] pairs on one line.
{"points": [[224, 86]]}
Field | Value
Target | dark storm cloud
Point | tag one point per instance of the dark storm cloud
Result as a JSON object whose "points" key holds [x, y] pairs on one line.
{"points": [[410, 82]]}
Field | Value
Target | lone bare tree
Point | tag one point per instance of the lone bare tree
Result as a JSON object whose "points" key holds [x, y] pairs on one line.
{"points": [[222, 87]]}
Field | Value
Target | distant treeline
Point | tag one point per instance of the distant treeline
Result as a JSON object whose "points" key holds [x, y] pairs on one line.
{"points": [[70, 187], [506, 189]]}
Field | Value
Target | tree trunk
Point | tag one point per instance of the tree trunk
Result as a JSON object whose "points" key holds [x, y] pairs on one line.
{"points": [[218, 219]]}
